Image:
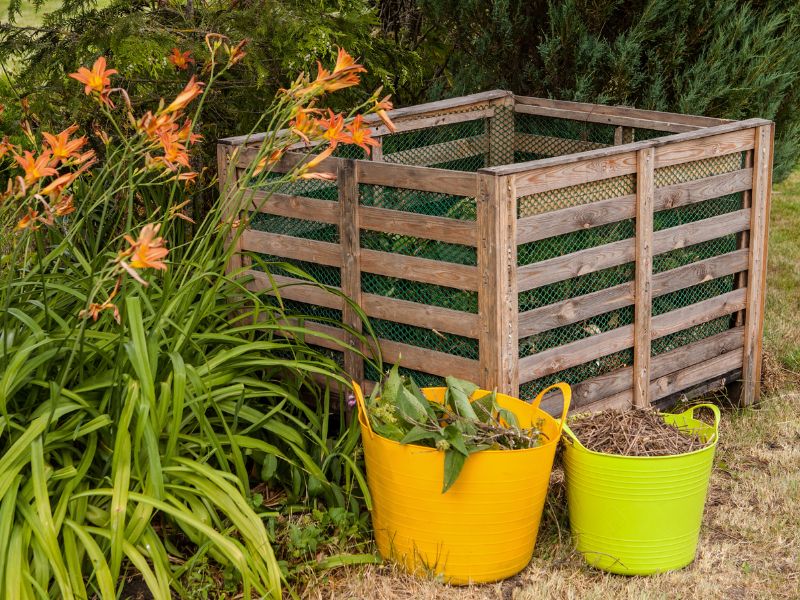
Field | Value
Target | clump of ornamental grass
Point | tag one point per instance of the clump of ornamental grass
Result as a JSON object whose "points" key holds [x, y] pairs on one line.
{"points": [[144, 390]]}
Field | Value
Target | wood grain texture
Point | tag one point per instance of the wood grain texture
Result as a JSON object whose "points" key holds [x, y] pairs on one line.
{"points": [[413, 268], [286, 246], [350, 242], [643, 279], [497, 295], [712, 146], [296, 207], [443, 229], [421, 315], [291, 288], [574, 310], [581, 351], [426, 179], [757, 272], [612, 210], [590, 117], [228, 190], [743, 238], [622, 252], [429, 361]]}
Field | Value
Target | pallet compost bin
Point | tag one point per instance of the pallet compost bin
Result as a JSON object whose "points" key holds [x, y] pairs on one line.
{"points": [[517, 241]]}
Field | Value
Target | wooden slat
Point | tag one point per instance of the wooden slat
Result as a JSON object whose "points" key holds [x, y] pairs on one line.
{"points": [[497, 295], [541, 144], [434, 120], [421, 315], [707, 147], [643, 289], [228, 189], [588, 117], [619, 380], [743, 243], [757, 272], [287, 246], [452, 231], [429, 361], [574, 310], [413, 268], [335, 332], [578, 352], [534, 169], [439, 153], [621, 252], [612, 210], [457, 183], [290, 288], [247, 156], [623, 111], [349, 233], [297, 207]]}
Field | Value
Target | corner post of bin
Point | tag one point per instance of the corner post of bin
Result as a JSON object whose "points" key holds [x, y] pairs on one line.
{"points": [[497, 288], [501, 139], [349, 235], [227, 174], [643, 295], [757, 266]]}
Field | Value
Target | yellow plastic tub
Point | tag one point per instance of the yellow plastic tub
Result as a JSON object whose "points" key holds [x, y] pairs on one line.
{"points": [[639, 515], [484, 528]]}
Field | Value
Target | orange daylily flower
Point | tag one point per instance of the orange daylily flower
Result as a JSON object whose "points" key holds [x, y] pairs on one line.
{"points": [[5, 147], [62, 147], [29, 220], [273, 157], [97, 80], [64, 206], [361, 136], [192, 90], [180, 59], [304, 124], [344, 73], [36, 168], [95, 309], [146, 252], [380, 109], [333, 129], [236, 53]]}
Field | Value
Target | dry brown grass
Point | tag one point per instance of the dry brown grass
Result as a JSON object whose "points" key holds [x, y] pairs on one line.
{"points": [[749, 546]]}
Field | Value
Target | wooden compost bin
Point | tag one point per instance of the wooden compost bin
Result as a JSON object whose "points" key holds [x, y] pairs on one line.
{"points": [[518, 241]]}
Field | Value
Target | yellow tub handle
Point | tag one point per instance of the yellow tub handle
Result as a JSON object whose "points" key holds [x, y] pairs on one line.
{"points": [[566, 394], [363, 415]]}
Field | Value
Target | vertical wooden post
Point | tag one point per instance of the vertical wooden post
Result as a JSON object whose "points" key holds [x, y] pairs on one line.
{"points": [[645, 195], [623, 135], [743, 240], [497, 293], [350, 240], [501, 132], [229, 198], [757, 270]]}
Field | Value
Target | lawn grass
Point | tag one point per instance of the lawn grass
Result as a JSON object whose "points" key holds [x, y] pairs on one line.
{"points": [[29, 16], [750, 541]]}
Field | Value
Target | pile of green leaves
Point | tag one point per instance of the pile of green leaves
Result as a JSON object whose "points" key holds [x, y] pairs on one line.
{"points": [[460, 426]]}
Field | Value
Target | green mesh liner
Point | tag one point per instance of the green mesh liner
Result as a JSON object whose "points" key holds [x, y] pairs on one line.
{"points": [[576, 195], [576, 286], [420, 247], [350, 151], [684, 256], [318, 189], [597, 134], [692, 295], [421, 378], [698, 169], [310, 230], [528, 156], [416, 201], [426, 338], [573, 242], [559, 336], [641, 134], [322, 273], [697, 212], [470, 163], [309, 312], [688, 336], [579, 373], [423, 293]]}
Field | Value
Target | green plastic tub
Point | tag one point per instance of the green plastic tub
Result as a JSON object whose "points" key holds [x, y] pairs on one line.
{"points": [[636, 515]]}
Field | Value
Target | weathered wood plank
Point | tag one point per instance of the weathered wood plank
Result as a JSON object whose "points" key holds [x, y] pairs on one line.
{"points": [[439, 153], [290, 288], [286, 246], [443, 229], [622, 252], [413, 268], [574, 310], [612, 210], [421, 315], [608, 162], [708, 147], [497, 295], [618, 381], [581, 351], [623, 111], [426, 179], [589, 117], [429, 361], [541, 144], [297, 207], [757, 272], [247, 156], [643, 289], [350, 236], [743, 238], [228, 189]]}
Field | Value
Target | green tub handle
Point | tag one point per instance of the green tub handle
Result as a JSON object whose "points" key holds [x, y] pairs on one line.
{"points": [[689, 413]]}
